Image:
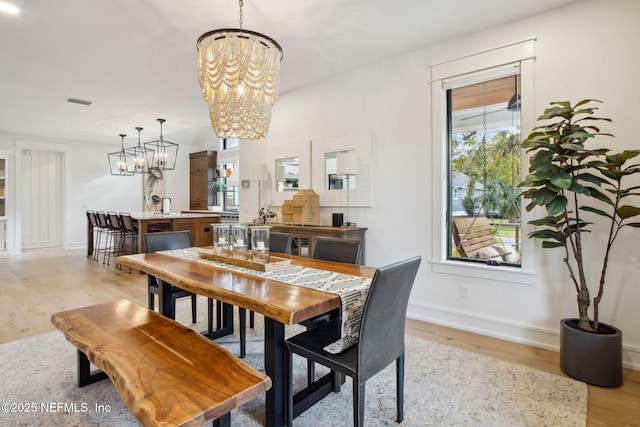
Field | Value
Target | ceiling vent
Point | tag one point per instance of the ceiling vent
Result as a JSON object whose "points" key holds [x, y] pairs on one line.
{"points": [[79, 101]]}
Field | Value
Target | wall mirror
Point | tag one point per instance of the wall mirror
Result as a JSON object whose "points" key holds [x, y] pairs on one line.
{"points": [[287, 174], [332, 158], [289, 167]]}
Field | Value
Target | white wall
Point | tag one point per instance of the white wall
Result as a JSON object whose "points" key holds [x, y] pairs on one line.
{"points": [[584, 50]]}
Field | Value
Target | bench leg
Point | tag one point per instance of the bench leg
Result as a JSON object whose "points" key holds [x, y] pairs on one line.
{"points": [[223, 421], [85, 376]]}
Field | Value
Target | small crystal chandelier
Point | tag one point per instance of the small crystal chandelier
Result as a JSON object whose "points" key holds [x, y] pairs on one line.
{"points": [[239, 73], [121, 162], [141, 155], [161, 154]]}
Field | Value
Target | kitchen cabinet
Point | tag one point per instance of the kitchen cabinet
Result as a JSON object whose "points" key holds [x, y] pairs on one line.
{"points": [[202, 168]]}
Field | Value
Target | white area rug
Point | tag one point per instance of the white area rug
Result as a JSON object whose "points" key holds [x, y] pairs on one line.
{"points": [[444, 386]]}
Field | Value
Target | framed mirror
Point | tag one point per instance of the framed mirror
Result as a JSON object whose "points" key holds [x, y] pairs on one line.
{"points": [[289, 167]]}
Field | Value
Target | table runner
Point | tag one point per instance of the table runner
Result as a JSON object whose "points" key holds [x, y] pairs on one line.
{"points": [[352, 290]]}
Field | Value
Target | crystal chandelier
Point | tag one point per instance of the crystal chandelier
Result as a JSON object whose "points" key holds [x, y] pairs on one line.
{"points": [[239, 72], [141, 155], [121, 162], [161, 154]]}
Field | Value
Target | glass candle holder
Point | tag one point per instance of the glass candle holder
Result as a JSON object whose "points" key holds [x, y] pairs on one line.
{"points": [[240, 241], [260, 244], [221, 239]]}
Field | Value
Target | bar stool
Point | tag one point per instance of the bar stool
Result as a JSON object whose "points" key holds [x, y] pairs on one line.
{"points": [[103, 229], [116, 232], [95, 229], [129, 234]]}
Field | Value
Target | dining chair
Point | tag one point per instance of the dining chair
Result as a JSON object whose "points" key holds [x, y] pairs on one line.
{"points": [[163, 241], [338, 250], [380, 340], [280, 242]]}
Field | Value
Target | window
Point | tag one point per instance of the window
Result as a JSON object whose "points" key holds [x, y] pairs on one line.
{"points": [[484, 161], [228, 167], [480, 104], [228, 143], [229, 194]]}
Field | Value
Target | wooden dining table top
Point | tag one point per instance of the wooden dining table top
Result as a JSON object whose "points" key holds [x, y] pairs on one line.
{"points": [[282, 302]]}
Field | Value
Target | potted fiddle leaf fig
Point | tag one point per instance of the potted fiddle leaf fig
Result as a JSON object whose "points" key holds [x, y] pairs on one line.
{"points": [[581, 186]]}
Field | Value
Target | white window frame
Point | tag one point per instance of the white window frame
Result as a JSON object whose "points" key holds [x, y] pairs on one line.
{"points": [[458, 72]]}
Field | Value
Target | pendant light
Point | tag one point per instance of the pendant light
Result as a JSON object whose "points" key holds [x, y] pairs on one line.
{"points": [[239, 73], [121, 162], [141, 155], [161, 153]]}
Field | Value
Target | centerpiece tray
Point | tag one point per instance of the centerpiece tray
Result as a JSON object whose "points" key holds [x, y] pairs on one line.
{"points": [[275, 262]]}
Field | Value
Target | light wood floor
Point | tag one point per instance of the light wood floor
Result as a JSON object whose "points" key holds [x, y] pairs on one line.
{"points": [[40, 282]]}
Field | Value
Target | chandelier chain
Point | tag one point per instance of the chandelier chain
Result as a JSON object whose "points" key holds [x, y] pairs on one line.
{"points": [[241, 4]]}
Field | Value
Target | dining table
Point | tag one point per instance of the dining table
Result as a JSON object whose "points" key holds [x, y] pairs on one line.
{"points": [[280, 303]]}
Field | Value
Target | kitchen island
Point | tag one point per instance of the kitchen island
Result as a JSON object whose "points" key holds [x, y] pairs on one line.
{"points": [[199, 224]]}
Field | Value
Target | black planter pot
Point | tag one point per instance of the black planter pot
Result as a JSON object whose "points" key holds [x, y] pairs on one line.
{"points": [[595, 358]]}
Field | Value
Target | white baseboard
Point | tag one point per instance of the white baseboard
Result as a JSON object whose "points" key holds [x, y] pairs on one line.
{"points": [[76, 246], [499, 328]]}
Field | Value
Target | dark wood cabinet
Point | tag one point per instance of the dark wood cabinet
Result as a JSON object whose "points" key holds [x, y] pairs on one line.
{"points": [[202, 171]]}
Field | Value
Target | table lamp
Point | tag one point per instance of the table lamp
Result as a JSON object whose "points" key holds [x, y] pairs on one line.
{"points": [[259, 173], [347, 166]]}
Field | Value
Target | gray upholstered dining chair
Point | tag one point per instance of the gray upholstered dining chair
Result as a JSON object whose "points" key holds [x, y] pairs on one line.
{"points": [[380, 341], [338, 250], [280, 242], [163, 241]]}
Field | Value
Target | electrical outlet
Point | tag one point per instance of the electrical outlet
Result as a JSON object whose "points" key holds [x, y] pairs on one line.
{"points": [[464, 291]]}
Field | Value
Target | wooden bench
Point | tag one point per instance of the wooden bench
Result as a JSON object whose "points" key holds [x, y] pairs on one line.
{"points": [[167, 374], [472, 234]]}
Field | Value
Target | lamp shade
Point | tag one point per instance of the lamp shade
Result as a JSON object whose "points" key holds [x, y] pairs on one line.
{"points": [[346, 164], [259, 172]]}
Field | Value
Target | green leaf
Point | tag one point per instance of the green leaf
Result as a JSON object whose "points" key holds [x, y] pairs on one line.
{"points": [[549, 221], [547, 234], [628, 211], [561, 179], [557, 205], [551, 245], [596, 211], [589, 177], [597, 194]]}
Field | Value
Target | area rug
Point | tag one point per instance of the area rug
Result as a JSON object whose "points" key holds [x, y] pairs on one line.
{"points": [[444, 386]]}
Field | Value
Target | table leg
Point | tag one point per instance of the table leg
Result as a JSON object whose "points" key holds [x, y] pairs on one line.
{"points": [[227, 323], [85, 376], [274, 368]]}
